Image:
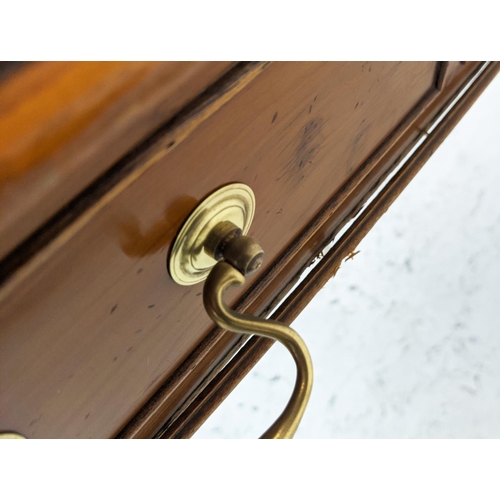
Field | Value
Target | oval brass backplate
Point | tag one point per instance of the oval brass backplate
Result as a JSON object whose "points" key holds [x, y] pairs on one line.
{"points": [[11, 435], [188, 262]]}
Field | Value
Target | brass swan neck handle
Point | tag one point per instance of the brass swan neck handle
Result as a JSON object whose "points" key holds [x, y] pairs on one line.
{"points": [[212, 245], [223, 276]]}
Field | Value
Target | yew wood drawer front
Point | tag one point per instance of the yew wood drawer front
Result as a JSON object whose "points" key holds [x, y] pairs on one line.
{"points": [[93, 325]]}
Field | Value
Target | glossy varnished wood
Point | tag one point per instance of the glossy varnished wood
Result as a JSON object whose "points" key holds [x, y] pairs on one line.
{"points": [[175, 396], [92, 325], [455, 70], [207, 400], [63, 123]]}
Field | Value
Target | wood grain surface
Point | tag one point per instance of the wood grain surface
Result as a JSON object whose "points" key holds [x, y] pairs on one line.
{"points": [[62, 124], [92, 325], [455, 70], [207, 400], [178, 392]]}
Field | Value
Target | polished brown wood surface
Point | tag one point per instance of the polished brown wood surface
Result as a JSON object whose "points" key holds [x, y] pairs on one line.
{"points": [[179, 390], [206, 400], [455, 70], [62, 124], [92, 325]]}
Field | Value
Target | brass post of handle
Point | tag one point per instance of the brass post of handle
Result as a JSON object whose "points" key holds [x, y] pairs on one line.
{"points": [[212, 245]]}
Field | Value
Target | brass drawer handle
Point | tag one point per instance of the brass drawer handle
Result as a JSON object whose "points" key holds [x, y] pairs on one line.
{"points": [[212, 245]]}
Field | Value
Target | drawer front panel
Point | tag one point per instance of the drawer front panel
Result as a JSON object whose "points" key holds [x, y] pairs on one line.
{"points": [[93, 325]]}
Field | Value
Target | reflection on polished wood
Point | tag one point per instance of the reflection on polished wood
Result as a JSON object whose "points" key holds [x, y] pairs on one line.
{"points": [[138, 243], [93, 328]]}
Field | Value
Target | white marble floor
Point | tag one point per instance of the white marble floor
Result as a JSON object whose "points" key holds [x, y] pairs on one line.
{"points": [[405, 339]]}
